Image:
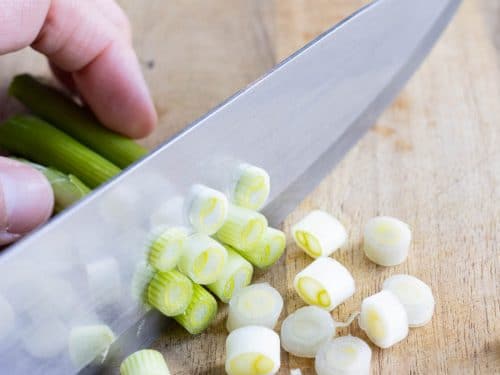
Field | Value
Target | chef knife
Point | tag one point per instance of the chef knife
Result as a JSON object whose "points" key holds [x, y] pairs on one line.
{"points": [[86, 267]]}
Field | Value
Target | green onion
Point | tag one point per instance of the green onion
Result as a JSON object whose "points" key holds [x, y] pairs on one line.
{"points": [[170, 292], [144, 362], [203, 259], [386, 240], [87, 343], [267, 250], [64, 113], [252, 350], [305, 330], [67, 189], [324, 283], [206, 209], [255, 305], [200, 312], [243, 228], [383, 318], [347, 355], [166, 249], [416, 297], [319, 234], [236, 275], [37, 140], [251, 187]]}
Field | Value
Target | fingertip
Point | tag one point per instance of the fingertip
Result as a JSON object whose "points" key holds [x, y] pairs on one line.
{"points": [[26, 199], [145, 124], [114, 88]]}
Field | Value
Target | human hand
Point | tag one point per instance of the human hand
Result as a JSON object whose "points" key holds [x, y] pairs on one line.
{"points": [[87, 43]]}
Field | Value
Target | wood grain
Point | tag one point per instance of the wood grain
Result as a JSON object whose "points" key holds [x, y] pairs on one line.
{"points": [[432, 160]]}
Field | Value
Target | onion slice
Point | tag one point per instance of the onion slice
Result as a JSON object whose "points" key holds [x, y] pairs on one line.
{"points": [[243, 228], [252, 350], [415, 295], [386, 240], [251, 186], [200, 312], [144, 362], [203, 259], [170, 292], [305, 330], [324, 283], [258, 304], [346, 355], [384, 319], [165, 249], [319, 234], [267, 250], [206, 209], [237, 274]]}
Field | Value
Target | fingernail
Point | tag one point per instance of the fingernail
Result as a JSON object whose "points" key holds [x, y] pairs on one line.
{"points": [[26, 199]]}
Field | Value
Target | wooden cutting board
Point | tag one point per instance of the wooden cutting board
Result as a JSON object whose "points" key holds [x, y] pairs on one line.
{"points": [[432, 160]]}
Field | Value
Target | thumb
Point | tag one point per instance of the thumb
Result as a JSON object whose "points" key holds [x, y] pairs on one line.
{"points": [[26, 199]]}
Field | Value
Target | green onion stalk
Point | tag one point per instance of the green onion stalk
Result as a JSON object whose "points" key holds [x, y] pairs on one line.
{"points": [[65, 114], [38, 141]]}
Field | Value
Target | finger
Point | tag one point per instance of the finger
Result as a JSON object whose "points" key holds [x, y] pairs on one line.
{"points": [[64, 77], [26, 199], [77, 38], [112, 11], [20, 22], [116, 93]]}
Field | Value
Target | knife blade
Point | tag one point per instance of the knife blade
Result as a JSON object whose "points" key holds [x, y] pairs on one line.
{"points": [[86, 266]]}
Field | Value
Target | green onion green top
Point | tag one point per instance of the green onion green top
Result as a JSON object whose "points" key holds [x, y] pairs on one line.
{"points": [[40, 142], [61, 111]]}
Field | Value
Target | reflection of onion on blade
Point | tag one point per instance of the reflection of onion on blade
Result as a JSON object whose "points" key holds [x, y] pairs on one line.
{"points": [[104, 282], [45, 339]]}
